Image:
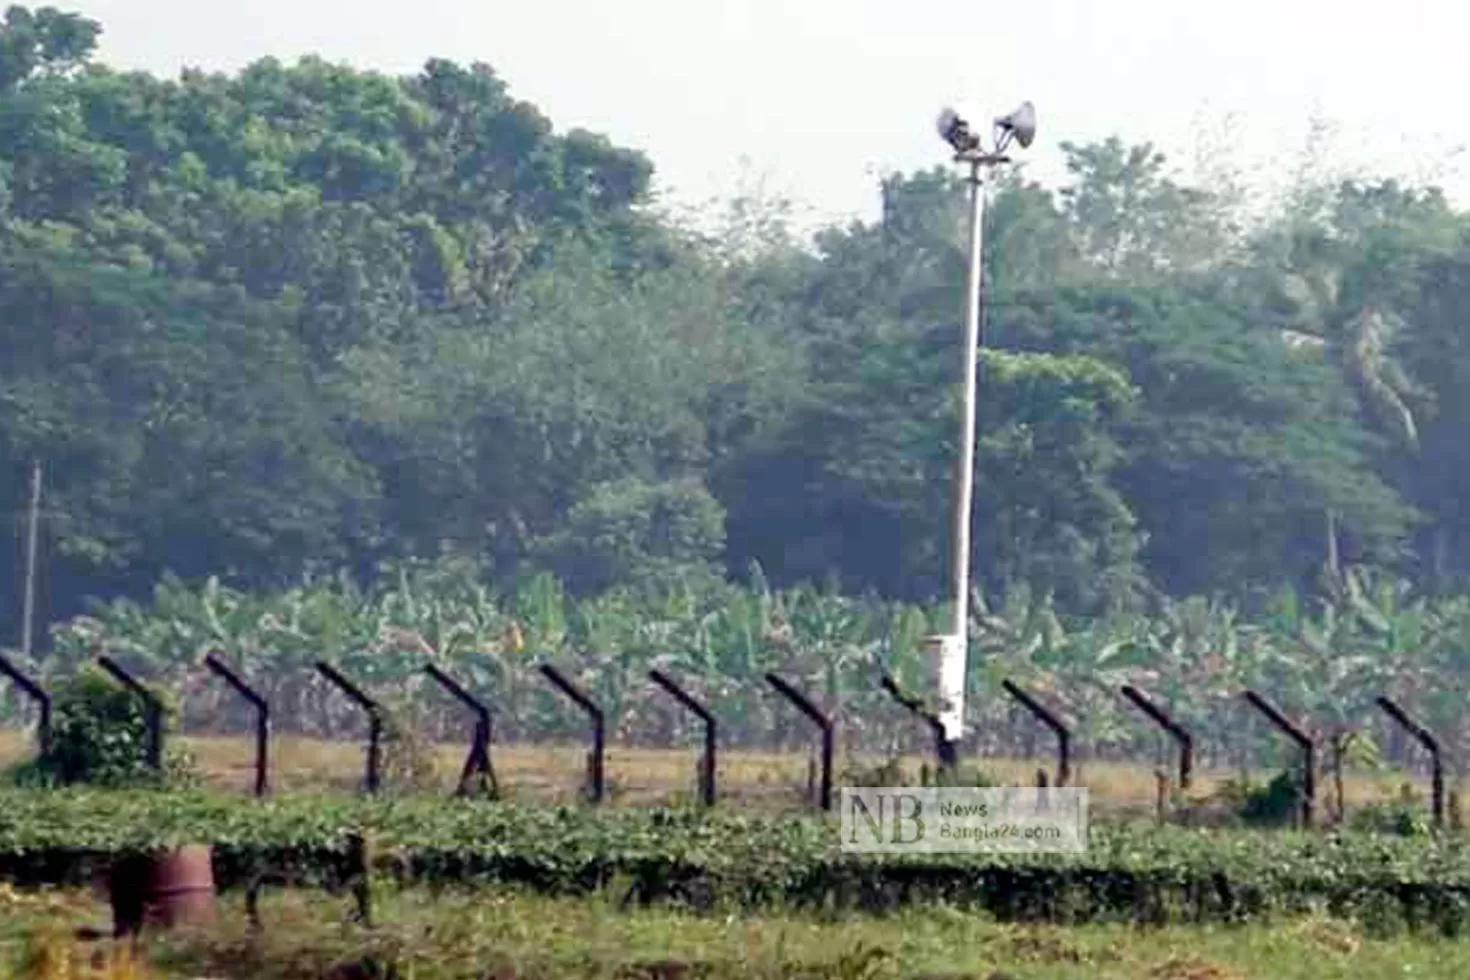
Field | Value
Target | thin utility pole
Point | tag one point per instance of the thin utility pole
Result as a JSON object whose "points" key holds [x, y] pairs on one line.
{"points": [[33, 522]]}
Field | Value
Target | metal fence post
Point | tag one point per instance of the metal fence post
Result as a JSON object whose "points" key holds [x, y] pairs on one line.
{"points": [[808, 708], [1064, 735], [707, 762], [1431, 745], [36, 693], [477, 763], [1304, 741], [595, 758], [944, 750], [262, 719], [1179, 733], [375, 720], [152, 709]]}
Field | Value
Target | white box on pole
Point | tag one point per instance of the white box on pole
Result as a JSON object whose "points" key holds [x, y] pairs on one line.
{"points": [[947, 653]]}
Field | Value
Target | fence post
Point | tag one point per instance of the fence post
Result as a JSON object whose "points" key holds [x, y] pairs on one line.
{"points": [[1302, 739], [1064, 735], [944, 749], [808, 708], [262, 719], [1427, 739], [707, 762], [477, 763], [375, 720], [1168, 724], [152, 709], [595, 768], [37, 694]]}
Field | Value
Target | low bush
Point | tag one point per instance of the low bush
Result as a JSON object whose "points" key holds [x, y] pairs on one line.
{"points": [[1404, 816], [99, 736], [724, 858]]}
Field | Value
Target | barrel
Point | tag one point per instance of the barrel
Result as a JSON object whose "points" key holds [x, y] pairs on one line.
{"points": [[166, 888]]}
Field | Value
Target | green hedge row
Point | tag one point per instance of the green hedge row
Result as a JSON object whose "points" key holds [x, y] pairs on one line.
{"points": [[723, 857]]}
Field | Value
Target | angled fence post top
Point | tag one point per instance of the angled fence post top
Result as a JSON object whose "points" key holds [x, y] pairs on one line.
{"points": [[796, 697], [1420, 732], [459, 691], [944, 749], [1165, 721], [683, 697], [22, 680], [121, 675], [340, 681], [595, 757], [707, 763], [810, 709], [1052, 721], [153, 705], [477, 762], [1291, 728], [227, 674], [1431, 745], [262, 718], [1305, 741], [1149, 707], [571, 690], [36, 693], [1047, 717], [909, 701], [375, 720]]}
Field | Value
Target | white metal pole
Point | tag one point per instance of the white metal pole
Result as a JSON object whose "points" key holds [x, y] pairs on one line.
{"points": [[33, 520], [955, 654]]}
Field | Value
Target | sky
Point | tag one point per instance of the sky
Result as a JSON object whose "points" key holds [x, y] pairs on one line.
{"points": [[811, 101]]}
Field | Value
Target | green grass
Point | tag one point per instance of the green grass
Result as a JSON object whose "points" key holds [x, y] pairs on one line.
{"points": [[498, 933]]}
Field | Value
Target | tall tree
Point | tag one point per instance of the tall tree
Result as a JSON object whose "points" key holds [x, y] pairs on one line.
{"points": [[1131, 221]]}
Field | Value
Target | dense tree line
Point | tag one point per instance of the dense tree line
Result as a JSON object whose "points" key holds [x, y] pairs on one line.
{"points": [[305, 318]]}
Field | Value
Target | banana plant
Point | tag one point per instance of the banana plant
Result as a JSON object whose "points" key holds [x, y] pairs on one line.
{"points": [[1324, 657]]}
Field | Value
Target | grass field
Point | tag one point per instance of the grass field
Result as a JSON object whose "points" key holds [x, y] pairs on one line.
{"points": [[501, 935], [642, 776]]}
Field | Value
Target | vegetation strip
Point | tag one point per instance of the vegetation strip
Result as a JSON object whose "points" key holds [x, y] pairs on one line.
{"points": [[722, 857]]}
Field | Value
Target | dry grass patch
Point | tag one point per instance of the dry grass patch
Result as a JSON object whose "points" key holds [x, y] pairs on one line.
{"points": [[637, 776]]}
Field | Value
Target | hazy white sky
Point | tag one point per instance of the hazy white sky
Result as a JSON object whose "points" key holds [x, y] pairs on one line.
{"points": [[813, 98]]}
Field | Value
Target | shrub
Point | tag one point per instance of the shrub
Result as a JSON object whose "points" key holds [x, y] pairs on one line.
{"points": [[1270, 805], [1403, 816], [99, 736]]}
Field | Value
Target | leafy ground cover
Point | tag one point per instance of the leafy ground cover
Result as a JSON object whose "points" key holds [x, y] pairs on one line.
{"points": [[725, 859]]}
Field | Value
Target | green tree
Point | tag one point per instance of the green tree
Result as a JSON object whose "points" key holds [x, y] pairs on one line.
{"points": [[631, 533], [1131, 221], [1238, 447], [43, 42]]}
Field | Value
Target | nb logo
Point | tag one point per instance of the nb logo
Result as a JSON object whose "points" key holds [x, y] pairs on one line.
{"points": [[879, 817]]}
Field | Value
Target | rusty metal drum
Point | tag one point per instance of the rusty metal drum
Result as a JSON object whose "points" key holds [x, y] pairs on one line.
{"points": [[167, 889]]}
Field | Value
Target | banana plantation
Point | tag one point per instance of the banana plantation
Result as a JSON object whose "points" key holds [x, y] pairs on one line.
{"points": [[1322, 661]]}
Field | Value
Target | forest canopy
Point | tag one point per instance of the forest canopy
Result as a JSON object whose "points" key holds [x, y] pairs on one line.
{"points": [[305, 318]]}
